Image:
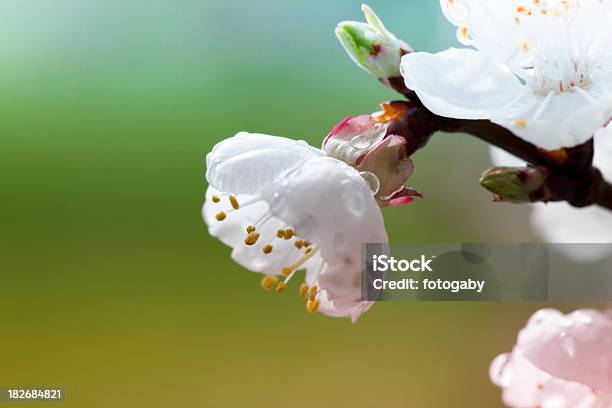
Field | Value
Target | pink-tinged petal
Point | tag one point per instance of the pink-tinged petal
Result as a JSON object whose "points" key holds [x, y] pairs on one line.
{"points": [[526, 386], [354, 137], [389, 161], [403, 196], [350, 127], [576, 347]]}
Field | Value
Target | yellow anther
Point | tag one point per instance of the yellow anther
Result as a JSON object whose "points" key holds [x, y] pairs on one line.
{"points": [[288, 234], [313, 305], [312, 292], [234, 202], [268, 281], [216, 198], [280, 287], [220, 216], [304, 290], [267, 249], [524, 10], [252, 238], [521, 123], [250, 228], [307, 244], [463, 32], [280, 233], [526, 46], [288, 270], [308, 250], [299, 244]]}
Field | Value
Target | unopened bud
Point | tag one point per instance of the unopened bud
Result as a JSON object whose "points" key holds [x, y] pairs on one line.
{"points": [[371, 46], [381, 158], [516, 184]]}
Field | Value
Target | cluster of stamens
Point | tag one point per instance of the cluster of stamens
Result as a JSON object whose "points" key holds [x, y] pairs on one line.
{"points": [[306, 248], [533, 61]]}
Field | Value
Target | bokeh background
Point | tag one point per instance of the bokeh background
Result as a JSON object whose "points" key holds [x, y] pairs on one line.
{"points": [[110, 285]]}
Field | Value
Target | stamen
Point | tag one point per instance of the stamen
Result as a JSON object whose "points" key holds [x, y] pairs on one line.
{"points": [[250, 228], [299, 262], [299, 244], [267, 249], [304, 290], [313, 305], [281, 287], [216, 198], [288, 234], [234, 202], [268, 281], [220, 216], [312, 292], [252, 238], [463, 32], [307, 244], [280, 233], [307, 251]]}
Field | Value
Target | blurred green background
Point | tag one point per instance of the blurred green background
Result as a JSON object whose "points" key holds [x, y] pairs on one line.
{"points": [[111, 286]]}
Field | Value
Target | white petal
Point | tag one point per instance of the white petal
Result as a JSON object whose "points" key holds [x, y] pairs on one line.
{"points": [[247, 162], [460, 83], [486, 24], [603, 151], [560, 222], [557, 120], [329, 204], [340, 292]]}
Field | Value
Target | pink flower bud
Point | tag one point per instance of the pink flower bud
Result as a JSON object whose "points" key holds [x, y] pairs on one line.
{"points": [[364, 143]]}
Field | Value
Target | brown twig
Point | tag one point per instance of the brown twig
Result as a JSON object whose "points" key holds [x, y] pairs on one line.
{"points": [[571, 178]]}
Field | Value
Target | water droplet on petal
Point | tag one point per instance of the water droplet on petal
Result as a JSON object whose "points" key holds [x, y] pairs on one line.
{"points": [[372, 180], [360, 142]]}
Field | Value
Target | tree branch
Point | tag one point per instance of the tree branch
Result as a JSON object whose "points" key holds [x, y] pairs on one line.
{"points": [[571, 175]]}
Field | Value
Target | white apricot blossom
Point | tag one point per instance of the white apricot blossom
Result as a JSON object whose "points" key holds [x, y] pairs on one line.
{"points": [[283, 206], [542, 69]]}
